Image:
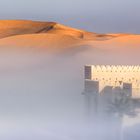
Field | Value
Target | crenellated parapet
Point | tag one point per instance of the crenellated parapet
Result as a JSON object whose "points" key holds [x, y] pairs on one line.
{"points": [[116, 67]]}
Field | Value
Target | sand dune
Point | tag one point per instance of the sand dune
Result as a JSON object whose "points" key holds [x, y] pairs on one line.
{"points": [[51, 35]]}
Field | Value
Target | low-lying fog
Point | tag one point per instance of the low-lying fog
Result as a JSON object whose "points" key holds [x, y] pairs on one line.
{"points": [[41, 95]]}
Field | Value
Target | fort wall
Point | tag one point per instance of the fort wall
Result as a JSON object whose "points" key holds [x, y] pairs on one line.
{"points": [[115, 75]]}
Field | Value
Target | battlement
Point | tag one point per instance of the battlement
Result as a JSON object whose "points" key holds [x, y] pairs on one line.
{"points": [[115, 67]]}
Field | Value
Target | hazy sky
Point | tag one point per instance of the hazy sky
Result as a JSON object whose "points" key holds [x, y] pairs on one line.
{"points": [[93, 15]]}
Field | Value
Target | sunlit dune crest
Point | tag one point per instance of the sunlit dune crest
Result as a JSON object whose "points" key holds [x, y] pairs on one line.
{"points": [[20, 27]]}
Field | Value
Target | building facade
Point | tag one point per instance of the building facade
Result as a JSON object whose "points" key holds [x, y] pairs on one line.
{"points": [[115, 76]]}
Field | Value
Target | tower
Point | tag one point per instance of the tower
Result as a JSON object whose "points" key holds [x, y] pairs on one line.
{"points": [[91, 90]]}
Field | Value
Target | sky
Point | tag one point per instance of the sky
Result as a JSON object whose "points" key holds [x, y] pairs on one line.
{"points": [[102, 16]]}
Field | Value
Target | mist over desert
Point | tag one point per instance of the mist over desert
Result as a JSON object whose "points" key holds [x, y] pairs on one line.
{"points": [[42, 76]]}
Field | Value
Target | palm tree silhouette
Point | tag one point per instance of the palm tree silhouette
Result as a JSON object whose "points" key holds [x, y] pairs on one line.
{"points": [[119, 107]]}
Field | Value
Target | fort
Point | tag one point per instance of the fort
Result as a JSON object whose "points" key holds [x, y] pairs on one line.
{"points": [[114, 76], [107, 85]]}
